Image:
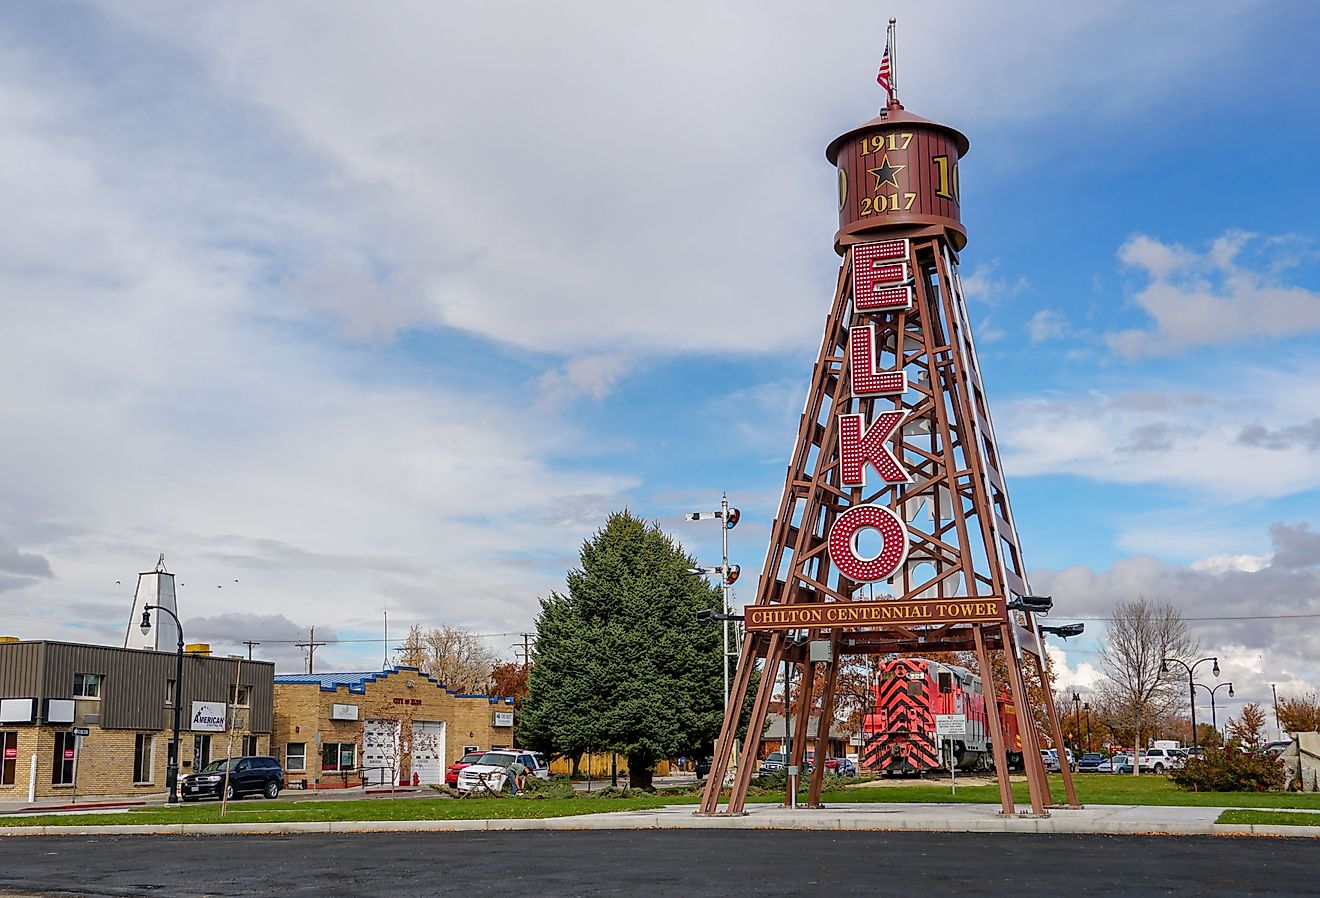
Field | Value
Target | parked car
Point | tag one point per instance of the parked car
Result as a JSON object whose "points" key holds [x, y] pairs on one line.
{"points": [[1051, 758], [846, 767], [1158, 760], [454, 769], [540, 767], [777, 761], [1105, 766], [254, 773], [1276, 749], [491, 770], [1121, 764], [1090, 762], [831, 764]]}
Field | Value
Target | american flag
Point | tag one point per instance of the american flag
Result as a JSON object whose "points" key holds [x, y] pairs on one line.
{"points": [[883, 77]]}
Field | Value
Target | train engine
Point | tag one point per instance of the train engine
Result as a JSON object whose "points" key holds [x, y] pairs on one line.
{"points": [[901, 727]]}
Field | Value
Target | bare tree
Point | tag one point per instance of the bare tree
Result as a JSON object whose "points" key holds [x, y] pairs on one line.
{"points": [[1136, 695], [454, 656]]}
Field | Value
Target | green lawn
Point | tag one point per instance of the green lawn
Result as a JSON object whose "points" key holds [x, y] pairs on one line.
{"points": [[1270, 818], [1092, 788], [372, 809]]}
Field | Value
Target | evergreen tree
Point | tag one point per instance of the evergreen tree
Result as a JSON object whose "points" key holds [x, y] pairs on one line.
{"points": [[621, 662]]}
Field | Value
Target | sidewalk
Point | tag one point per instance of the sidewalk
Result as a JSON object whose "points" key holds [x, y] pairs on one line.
{"points": [[1103, 819]]}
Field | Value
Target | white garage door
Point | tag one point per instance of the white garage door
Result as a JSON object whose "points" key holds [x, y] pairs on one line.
{"points": [[380, 752], [428, 751]]}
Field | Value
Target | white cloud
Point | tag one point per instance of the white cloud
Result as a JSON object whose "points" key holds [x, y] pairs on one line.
{"points": [[1046, 325], [1232, 445], [982, 284], [642, 179], [1211, 297], [594, 376]]}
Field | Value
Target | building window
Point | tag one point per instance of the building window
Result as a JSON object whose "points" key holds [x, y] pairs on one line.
{"points": [[338, 755], [170, 686], [201, 750], [240, 696], [86, 685], [295, 757], [144, 757], [8, 757], [250, 746], [61, 771]]}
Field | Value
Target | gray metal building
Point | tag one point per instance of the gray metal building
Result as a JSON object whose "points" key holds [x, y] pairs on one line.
{"points": [[124, 699]]}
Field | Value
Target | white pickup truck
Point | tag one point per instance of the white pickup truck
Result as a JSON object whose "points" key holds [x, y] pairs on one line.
{"points": [[1158, 760]]}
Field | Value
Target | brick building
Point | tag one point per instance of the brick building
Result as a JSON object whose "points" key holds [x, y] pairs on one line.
{"points": [[344, 729], [124, 699]]}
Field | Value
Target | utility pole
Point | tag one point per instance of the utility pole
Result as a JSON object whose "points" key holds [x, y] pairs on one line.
{"points": [[310, 645], [250, 643], [1278, 730], [527, 650]]}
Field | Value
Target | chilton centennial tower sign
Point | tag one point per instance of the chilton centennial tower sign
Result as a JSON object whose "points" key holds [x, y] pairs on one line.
{"points": [[894, 532]]}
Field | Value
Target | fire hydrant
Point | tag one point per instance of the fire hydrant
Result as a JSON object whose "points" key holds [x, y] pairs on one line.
{"points": [[417, 780]]}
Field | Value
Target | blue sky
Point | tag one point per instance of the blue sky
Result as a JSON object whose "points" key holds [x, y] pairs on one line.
{"points": [[368, 308]]}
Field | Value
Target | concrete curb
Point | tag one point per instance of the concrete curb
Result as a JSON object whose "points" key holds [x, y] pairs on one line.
{"points": [[1100, 819]]}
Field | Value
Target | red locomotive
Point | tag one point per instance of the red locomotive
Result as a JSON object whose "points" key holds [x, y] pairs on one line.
{"points": [[900, 730]]}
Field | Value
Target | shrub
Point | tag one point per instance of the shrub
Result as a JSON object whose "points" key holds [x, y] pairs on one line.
{"points": [[558, 787], [1231, 769]]}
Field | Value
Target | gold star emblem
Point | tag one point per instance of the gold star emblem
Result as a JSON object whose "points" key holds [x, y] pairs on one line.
{"points": [[886, 173]]}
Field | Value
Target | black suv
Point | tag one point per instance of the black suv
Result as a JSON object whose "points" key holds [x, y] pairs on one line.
{"points": [[249, 774]]}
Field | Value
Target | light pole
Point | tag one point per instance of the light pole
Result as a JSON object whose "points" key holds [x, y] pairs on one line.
{"points": [[1191, 685], [1214, 721], [172, 757], [1077, 720], [1086, 706]]}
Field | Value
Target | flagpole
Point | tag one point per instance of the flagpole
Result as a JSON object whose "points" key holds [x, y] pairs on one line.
{"points": [[893, 60]]}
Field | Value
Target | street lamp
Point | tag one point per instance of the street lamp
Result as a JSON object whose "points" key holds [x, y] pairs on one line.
{"points": [[172, 765], [1191, 686], [1033, 604], [1214, 722], [1077, 719]]}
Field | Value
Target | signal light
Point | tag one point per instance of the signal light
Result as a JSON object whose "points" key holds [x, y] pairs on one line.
{"points": [[732, 574], [732, 520]]}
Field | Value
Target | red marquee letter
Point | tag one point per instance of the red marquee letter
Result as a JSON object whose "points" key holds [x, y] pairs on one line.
{"points": [[880, 273], [866, 380], [858, 447], [843, 543]]}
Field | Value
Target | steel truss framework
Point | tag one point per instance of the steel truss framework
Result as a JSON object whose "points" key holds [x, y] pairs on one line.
{"points": [[962, 542]]}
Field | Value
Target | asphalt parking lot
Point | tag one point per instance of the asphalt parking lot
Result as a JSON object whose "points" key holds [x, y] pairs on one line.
{"points": [[653, 863]]}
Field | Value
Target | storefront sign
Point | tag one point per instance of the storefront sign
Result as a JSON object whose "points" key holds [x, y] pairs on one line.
{"points": [[868, 614], [503, 718], [209, 717], [17, 710], [408, 701], [11, 752], [343, 712]]}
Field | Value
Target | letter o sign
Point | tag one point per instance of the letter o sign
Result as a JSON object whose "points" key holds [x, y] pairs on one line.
{"points": [[843, 543]]}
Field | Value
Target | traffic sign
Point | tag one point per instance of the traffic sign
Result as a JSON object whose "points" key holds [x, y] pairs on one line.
{"points": [[81, 731], [951, 724]]}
